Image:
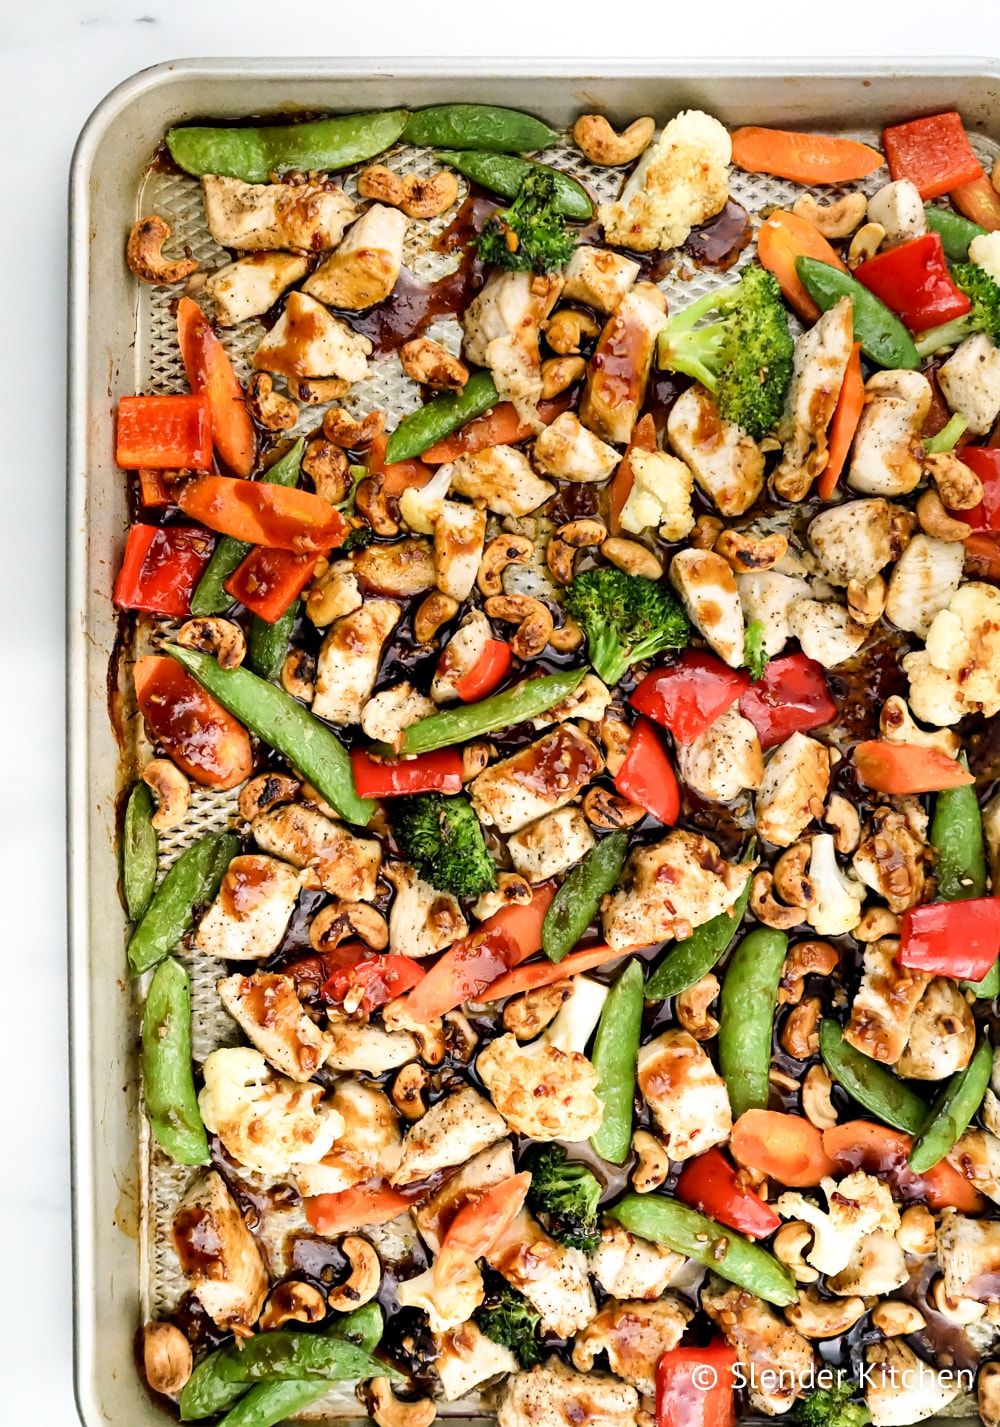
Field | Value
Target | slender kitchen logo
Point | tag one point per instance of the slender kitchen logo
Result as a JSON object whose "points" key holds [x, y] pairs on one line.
{"points": [[781, 1381]]}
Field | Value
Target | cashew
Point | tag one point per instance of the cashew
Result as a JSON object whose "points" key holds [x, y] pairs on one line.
{"points": [[816, 1317], [746, 553], [382, 185], [317, 391], [817, 1102], [791, 880], [604, 809], [995, 175], [560, 373], [615, 734], [417, 197], [632, 557], [362, 1283], [865, 244], [567, 636], [833, 220], [212, 635], [460, 1038], [292, 1302], [988, 1383], [957, 1310], [166, 1355], [705, 532], [897, 725], [144, 253], [789, 1244], [429, 1035], [388, 1411], [475, 757], [432, 365], [875, 924], [327, 466], [865, 603], [691, 1008], [533, 619], [266, 791], [935, 520], [298, 675], [805, 958], [407, 1093], [958, 486], [527, 1016], [767, 909], [512, 890], [799, 1034], [502, 551], [268, 407], [781, 1080], [584, 532], [171, 790], [333, 923], [652, 1166], [599, 142], [347, 432], [432, 613], [568, 329], [895, 1319], [915, 1234], [842, 816], [560, 558]]}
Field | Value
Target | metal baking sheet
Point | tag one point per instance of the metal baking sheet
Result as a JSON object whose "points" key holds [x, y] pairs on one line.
{"points": [[123, 340]]}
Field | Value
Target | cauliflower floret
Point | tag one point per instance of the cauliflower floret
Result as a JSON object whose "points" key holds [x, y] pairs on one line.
{"points": [[984, 251], [856, 1206], [266, 1121], [839, 896], [420, 506], [970, 381], [627, 1267], [958, 672], [634, 1335], [680, 181], [661, 495]]}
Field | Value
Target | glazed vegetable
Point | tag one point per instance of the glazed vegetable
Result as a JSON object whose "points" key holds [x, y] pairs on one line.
{"points": [[520, 702], [268, 1403], [873, 1085], [267, 644], [253, 154], [362, 1204], [205, 741], [439, 772], [368, 980], [647, 776], [477, 126], [167, 1075], [832, 1407], [167, 433], [500, 425], [983, 314], [884, 340], [710, 1184], [985, 461], [948, 437], [901, 768], [209, 370], [139, 851], [269, 582], [746, 1019], [530, 235], [545, 973], [787, 1147], [914, 281], [952, 1110], [442, 838], [161, 567], [934, 153], [844, 424], [803, 158], [755, 656], [620, 486], [791, 696], [487, 674], [698, 954], [262, 513], [959, 939], [860, 1144], [614, 1055], [688, 696], [193, 880], [504, 174], [437, 419], [626, 618], [577, 901], [666, 1221], [784, 237], [978, 201], [507, 1318], [956, 834], [955, 232], [695, 1387], [310, 746], [564, 1197]]}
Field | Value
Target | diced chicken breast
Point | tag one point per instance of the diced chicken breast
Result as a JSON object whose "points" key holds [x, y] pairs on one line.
{"points": [[685, 1093], [333, 594], [877, 1266], [821, 356], [502, 326], [422, 920], [976, 1155], [365, 268], [723, 761], [452, 1131], [634, 1335], [459, 536], [854, 541], [670, 888], [545, 776], [434, 1214], [251, 286], [219, 1255], [598, 277], [551, 846], [267, 1008], [942, 1034], [368, 1147], [460, 655], [618, 372], [726, 462], [922, 582], [892, 859], [899, 209], [266, 1122], [552, 1277], [707, 586], [568, 450], [970, 382], [793, 791], [882, 1010], [465, 1359], [768, 596], [349, 658], [968, 1251], [248, 918], [338, 861], [551, 1395], [367, 1047], [627, 1267], [501, 478], [901, 1389], [249, 217], [958, 672], [885, 457], [308, 341], [388, 714], [825, 631], [777, 1361]]}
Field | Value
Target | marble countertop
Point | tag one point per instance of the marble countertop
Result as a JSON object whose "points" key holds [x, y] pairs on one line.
{"points": [[57, 59]]}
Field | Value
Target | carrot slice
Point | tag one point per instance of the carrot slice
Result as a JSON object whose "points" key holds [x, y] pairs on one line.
{"points": [[903, 768], [863, 1144], [500, 426], [781, 239], [643, 439], [354, 1208], [804, 158], [787, 1147], [479, 1223], [209, 370], [979, 201], [850, 404], [544, 973]]}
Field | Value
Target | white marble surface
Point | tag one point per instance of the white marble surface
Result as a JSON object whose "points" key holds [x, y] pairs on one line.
{"points": [[57, 59]]}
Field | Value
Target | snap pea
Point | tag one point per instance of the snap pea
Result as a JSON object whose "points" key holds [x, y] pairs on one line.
{"points": [[194, 878], [577, 900], [254, 153], [884, 339], [440, 417], [523, 701], [309, 745], [695, 957], [477, 126], [871, 1084], [956, 835], [666, 1221], [955, 232], [746, 1020], [268, 1403], [504, 174], [616, 1047], [268, 643], [167, 1077], [139, 851], [949, 1116]]}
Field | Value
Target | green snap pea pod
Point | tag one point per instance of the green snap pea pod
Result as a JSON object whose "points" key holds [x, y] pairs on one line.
{"points": [[575, 904], [209, 596], [504, 174], [666, 1221], [746, 1019], [616, 1047], [477, 126], [252, 154], [440, 417], [167, 1076], [872, 1085], [268, 643], [957, 837], [884, 339], [955, 232], [523, 701], [949, 1116], [194, 878], [695, 957], [268, 1403], [139, 851], [312, 748], [948, 437]]}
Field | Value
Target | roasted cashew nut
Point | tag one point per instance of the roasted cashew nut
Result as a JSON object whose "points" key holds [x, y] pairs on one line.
{"points": [[333, 923], [431, 196], [842, 816], [408, 1090], [327, 466], [460, 1038], [790, 1244], [584, 532], [171, 790], [512, 890], [350, 434], [429, 1035], [897, 725], [692, 1008], [144, 253], [800, 1033], [268, 407], [895, 1319], [791, 880], [292, 1302], [533, 619], [389, 1411], [615, 733], [804, 958], [958, 486], [604, 809], [559, 374], [317, 391], [298, 675], [475, 757], [652, 1162], [633, 557], [767, 909], [166, 1358], [432, 614], [816, 1317], [502, 551], [371, 501], [746, 554], [568, 329], [935, 520], [381, 185], [817, 1102], [916, 1232], [432, 365], [962, 1311], [560, 558], [866, 602], [527, 1016], [598, 141], [834, 220], [567, 637], [876, 923], [212, 635], [266, 791], [865, 244], [362, 1283]]}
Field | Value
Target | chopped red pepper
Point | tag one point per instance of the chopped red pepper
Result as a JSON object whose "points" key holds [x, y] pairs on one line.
{"points": [[914, 281], [202, 737], [372, 980], [647, 776], [982, 555], [985, 461], [209, 370], [263, 514], [687, 697], [165, 432], [903, 768], [439, 772], [489, 670], [710, 1183], [978, 201], [958, 939], [269, 581], [696, 1387], [934, 153], [791, 697], [161, 567]]}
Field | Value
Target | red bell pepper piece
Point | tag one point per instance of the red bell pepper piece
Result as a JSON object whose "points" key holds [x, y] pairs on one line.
{"points": [[202, 738], [372, 980], [907, 768], [687, 697], [959, 939], [791, 697], [165, 432], [269, 581], [696, 1387], [710, 1183], [439, 772], [489, 671], [934, 153], [982, 555], [263, 514], [985, 461], [914, 281], [161, 567], [647, 776], [979, 201], [209, 370]]}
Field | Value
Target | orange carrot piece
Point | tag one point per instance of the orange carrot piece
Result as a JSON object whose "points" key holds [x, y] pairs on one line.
{"points": [[782, 238], [903, 768], [787, 1147], [804, 158], [479, 1223], [979, 201], [863, 1144], [500, 426], [850, 404], [643, 439], [209, 370], [544, 973], [357, 1207]]}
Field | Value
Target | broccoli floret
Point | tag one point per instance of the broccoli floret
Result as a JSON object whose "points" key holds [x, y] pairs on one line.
{"points": [[755, 656], [982, 316], [625, 618], [530, 235], [358, 537], [441, 836], [745, 357], [508, 1318], [832, 1407], [564, 1197]]}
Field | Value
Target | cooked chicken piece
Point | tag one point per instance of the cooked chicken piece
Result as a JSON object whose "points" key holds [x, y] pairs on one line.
{"points": [[923, 581], [598, 277], [368, 1147], [400, 569], [854, 541], [551, 846], [251, 286], [307, 341], [618, 372], [247, 920], [265, 1121], [777, 1361], [857, 1205], [365, 268], [970, 382], [452, 1131], [465, 1358], [249, 217], [726, 462], [433, 1215], [627, 1267], [447, 1300], [460, 655], [339, 862], [333, 593], [793, 790], [882, 1010], [968, 1251], [268, 1010], [976, 1155], [502, 479], [669, 888], [219, 1255], [768, 597], [388, 714], [369, 1048], [552, 1277], [660, 496], [422, 920], [502, 327], [349, 658], [821, 356], [901, 1389], [891, 859], [589, 700], [877, 1266], [459, 537], [685, 1093], [545, 776], [723, 761], [885, 457], [899, 209], [958, 672], [942, 1034], [991, 834], [680, 181], [634, 1335], [825, 631], [707, 586], [568, 450]]}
